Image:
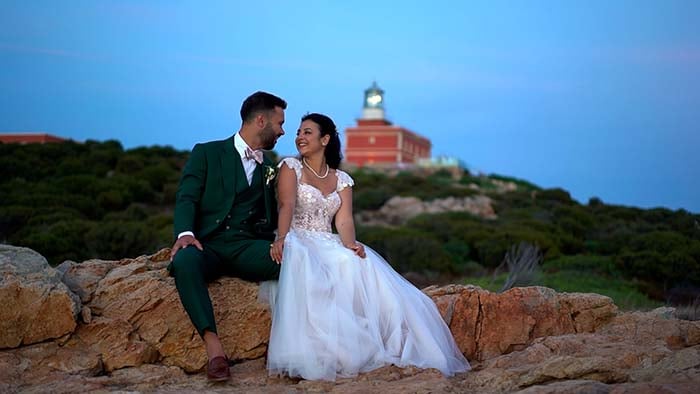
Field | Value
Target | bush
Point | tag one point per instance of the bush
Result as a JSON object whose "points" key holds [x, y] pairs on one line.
{"points": [[157, 176], [115, 240], [493, 248], [625, 293], [110, 200], [603, 265], [59, 241], [521, 183], [408, 250], [555, 195], [130, 164], [458, 251], [12, 218], [372, 199], [48, 188]]}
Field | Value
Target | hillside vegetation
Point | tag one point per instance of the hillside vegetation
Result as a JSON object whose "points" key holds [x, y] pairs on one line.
{"points": [[97, 200]]}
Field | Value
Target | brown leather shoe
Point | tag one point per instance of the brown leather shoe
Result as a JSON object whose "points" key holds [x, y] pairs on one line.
{"points": [[217, 369]]}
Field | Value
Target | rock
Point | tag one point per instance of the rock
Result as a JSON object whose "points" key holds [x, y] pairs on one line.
{"points": [[576, 358], [36, 305], [83, 278], [486, 324], [86, 314], [143, 304], [135, 337], [398, 210], [146, 377], [588, 311], [569, 387], [651, 327], [683, 365], [116, 342], [46, 362]]}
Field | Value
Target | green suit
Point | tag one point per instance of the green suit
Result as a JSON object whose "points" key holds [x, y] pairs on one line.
{"points": [[234, 221]]}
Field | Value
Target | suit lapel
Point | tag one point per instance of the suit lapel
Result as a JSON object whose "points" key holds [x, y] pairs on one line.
{"points": [[268, 190], [230, 163]]}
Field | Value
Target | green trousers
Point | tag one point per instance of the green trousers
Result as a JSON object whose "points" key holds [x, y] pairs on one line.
{"points": [[230, 253]]}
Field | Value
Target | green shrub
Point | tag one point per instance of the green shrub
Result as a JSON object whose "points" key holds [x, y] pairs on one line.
{"points": [[59, 241], [157, 176], [371, 199], [458, 251], [13, 218], [130, 164], [408, 250], [603, 265], [115, 240], [110, 200], [521, 183], [555, 195], [494, 246], [625, 293]]}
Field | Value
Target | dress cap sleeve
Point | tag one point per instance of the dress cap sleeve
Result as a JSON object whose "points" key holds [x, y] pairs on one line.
{"points": [[344, 180], [294, 164]]}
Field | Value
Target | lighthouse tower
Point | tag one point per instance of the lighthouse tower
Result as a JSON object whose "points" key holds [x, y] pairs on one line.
{"points": [[376, 142]]}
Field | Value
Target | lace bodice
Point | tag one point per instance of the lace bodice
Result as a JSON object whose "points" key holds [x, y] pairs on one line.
{"points": [[313, 210]]}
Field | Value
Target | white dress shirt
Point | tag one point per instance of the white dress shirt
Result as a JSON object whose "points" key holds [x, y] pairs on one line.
{"points": [[248, 164], [248, 167]]}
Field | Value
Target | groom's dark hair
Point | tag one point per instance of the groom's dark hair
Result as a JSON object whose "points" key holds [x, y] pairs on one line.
{"points": [[260, 102]]}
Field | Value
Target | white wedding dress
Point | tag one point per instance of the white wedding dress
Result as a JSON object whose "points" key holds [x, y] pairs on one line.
{"points": [[335, 314]]}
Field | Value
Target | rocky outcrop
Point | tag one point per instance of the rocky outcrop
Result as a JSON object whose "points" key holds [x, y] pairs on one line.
{"points": [[130, 333], [398, 210], [36, 305], [486, 324], [136, 317]]}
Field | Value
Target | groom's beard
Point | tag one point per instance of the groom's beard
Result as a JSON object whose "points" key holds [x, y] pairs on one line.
{"points": [[268, 137]]}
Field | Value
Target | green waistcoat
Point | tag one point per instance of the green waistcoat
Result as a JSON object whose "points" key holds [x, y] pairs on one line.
{"points": [[249, 210]]}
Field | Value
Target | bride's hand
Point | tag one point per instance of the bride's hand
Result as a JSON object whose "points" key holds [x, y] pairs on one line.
{"points": [[276, 249], [357, 248]]}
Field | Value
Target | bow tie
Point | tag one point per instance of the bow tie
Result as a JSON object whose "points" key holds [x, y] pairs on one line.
{"points": [[256, 155]]}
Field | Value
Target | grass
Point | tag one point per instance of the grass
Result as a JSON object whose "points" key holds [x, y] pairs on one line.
{"points": [[623, 292]]}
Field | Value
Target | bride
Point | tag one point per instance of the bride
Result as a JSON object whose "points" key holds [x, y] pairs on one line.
{"points": [[339, 309]]}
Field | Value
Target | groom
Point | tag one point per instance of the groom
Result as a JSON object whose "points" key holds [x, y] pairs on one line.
{"points": [[225, 215]]}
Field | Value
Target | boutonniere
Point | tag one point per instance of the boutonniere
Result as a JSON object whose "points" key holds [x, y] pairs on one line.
{"points": [[270, 174]]}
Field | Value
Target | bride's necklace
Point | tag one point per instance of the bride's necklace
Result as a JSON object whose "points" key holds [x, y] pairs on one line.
{"points": [[314, 172]]}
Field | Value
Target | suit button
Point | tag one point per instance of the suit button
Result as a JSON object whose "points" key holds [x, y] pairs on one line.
{"points": [[251, 212], [228, 227], [240, 231], [218, 221], [228, 216]]}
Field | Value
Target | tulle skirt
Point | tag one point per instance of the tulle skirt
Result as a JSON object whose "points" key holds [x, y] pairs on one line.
{"points": [[336, 315]]}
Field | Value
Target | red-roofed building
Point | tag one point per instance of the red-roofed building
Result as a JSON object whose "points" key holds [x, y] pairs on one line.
{"points": [[376, 142], [29, 138]]}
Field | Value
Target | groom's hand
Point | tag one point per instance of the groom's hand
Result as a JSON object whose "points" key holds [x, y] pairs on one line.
{"points": [[183, 242]]}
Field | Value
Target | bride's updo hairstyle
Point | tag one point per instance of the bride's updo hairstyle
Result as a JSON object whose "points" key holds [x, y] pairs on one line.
{"points": [[332, 152]]}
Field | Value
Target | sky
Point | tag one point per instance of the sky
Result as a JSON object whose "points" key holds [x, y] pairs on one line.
{"points": [[601, 98]]}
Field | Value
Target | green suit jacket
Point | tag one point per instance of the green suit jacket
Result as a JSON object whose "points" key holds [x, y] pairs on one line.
{"points": [[207, 189]]}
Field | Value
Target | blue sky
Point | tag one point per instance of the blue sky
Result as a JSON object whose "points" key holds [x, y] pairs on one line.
{"points": [[600, 98]]}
